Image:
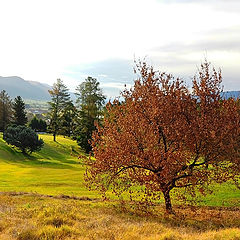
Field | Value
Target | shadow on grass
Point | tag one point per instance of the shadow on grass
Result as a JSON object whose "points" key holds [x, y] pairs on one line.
{"points": [[47, 157]]}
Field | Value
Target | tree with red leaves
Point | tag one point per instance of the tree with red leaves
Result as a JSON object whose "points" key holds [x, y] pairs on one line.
{"points": [[163, 137]]}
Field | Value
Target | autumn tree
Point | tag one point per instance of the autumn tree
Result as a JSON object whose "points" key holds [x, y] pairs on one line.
{"points": [[60, 97], [19, 113], [5, 110], [90, 100], [163, 137]]}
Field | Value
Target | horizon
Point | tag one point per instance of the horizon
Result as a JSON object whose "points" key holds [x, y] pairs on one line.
{"points": [[43, 41]]}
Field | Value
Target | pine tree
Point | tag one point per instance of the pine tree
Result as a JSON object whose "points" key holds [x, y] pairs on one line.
{"points": [[60, 97], [68, 119], [19, 113], [34, 123], [5, 110], [91, 101]]}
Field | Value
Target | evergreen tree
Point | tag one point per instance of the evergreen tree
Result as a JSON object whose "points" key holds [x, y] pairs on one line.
{"points": [[19, 113], [38, 125], [60, 97], [90, 100], [34, 123], [42, 126], [23, 138], [68, 119], [5, 110]]}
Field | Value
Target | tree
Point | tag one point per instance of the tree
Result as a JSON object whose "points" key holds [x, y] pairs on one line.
{"points": [[91, 101], [38, 125], [19, 113], [163, 137], [5, 110], [23, 138], [60, 97], [68, 119], [42, 126]]}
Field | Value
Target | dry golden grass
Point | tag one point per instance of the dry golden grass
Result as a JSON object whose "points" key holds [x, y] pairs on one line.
{"points": [[33, 217]]}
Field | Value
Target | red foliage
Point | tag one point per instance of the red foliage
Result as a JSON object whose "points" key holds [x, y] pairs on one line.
{"points": [[162, 136]]}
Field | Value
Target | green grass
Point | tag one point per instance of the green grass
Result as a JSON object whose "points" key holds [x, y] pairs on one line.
{"points": [[56, 170]]}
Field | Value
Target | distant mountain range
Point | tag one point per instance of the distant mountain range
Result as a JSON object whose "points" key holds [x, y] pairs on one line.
{"points": [[16, 86], [233, 94], [31, 90]]}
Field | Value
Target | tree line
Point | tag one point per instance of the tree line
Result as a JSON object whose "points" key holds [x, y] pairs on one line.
{"points": [[76, 120], [160, 138], [13, 120]]}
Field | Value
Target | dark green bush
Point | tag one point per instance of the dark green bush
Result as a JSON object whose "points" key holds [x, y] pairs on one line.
{"points": [[23, 138]]}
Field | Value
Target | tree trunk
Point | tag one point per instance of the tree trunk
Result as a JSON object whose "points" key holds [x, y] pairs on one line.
{"points": [[54, 137], [168, 203]]}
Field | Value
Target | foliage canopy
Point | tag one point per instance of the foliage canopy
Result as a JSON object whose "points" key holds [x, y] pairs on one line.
{"points": [[5, 110], [60, 98], [19, 113], [91, 101]]}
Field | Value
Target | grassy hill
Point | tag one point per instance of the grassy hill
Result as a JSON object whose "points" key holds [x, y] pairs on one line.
{"points": [[46, 213], [54, 170]]}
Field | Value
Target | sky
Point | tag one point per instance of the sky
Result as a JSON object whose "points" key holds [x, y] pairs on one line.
{"points": [[42, 40]]}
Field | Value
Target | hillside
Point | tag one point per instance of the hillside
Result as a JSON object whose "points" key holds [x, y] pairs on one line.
{"points": [[15, 86], [28, 90], [231, 94], [43, 197], [54, 170], [32, 90]]}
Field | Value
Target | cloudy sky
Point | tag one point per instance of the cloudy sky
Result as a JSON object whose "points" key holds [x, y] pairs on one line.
{"points": [[42, 40]]}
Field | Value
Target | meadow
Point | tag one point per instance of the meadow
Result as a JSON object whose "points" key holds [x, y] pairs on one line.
{"points": [[43, 197]]}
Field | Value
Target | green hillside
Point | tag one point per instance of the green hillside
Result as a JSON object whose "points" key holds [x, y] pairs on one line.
{"points": [[55, 170]]}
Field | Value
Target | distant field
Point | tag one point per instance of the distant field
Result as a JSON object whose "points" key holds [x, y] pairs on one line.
{"points": [[56, 170]]}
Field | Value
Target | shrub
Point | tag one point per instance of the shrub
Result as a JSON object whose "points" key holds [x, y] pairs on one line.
{"points": [[23, 138]]}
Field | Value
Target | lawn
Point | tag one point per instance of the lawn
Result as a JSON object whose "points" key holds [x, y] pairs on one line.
{"points": [[57, 170]]}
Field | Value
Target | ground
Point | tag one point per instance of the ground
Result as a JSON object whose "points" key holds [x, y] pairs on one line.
{"points": [[43, 197]]}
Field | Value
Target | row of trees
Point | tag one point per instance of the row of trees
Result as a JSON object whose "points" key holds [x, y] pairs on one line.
{"points": [[76, 120], [66, 118], [11, 111], [13, 120]]}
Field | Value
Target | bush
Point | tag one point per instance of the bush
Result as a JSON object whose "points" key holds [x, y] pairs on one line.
{"points": [[23, 138]]}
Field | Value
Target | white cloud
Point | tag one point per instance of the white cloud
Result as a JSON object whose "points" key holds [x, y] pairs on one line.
{"points": [[42, 40]]}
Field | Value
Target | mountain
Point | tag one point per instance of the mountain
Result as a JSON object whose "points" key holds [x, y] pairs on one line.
{"points": [[16, 86], [31, 90], [231, 94]]}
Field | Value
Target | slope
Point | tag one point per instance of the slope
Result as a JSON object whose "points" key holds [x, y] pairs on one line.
{"points": [[16, 86], [54, 170]]}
